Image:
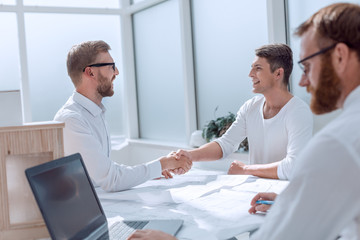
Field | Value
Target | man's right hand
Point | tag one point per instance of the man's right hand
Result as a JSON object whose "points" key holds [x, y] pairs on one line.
{"points": [[178, 154], [172, 163], [255, 207]]}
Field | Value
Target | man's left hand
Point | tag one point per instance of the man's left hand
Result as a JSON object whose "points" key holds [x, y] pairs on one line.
{"points": [[237, 167]]}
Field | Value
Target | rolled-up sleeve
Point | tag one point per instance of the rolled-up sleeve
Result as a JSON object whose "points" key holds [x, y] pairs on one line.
{"points": [[230, 141]]}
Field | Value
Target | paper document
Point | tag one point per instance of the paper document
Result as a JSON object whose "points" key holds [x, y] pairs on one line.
{"points": [[254, 184], [212, 206], [220, 212], [176, 190]]}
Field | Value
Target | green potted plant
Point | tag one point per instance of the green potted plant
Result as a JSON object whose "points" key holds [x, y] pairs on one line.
{"points": [[216, 128]]}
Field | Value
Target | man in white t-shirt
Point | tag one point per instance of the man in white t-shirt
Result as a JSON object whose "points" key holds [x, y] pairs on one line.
{"points": [[92, 71], [277, 124]]}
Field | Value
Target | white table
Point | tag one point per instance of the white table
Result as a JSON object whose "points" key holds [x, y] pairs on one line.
{"points": [[212, 204]]}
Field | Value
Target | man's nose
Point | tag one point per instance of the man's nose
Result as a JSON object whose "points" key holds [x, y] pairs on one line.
{"points": [[304, 81], [251, 73]]}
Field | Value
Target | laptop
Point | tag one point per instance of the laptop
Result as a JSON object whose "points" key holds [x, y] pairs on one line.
{"points": [[70, 207]]}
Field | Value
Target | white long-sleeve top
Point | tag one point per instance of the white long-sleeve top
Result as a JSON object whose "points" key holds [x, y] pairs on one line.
{"points": [[279, 138], [322, 201], [86, 132]]}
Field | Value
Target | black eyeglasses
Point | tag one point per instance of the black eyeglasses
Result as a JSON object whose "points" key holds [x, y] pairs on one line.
{"points": [[321, 51], [100, 65]]}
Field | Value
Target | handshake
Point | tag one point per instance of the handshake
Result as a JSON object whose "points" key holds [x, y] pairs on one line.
{"points": [[178, 162]]}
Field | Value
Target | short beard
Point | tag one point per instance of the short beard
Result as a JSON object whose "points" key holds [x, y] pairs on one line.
{"points": [[328, 90], [104, 87]]}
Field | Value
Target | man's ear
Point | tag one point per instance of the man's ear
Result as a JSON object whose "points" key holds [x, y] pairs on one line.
{"points": [[279, 73], [340, 57], [89, 72]]}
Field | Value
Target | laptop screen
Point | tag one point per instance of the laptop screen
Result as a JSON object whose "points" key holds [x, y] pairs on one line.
{"points": [[66, 199]]}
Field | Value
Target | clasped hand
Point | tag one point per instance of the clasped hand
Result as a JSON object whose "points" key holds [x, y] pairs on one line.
{"points": [[177, 164]]}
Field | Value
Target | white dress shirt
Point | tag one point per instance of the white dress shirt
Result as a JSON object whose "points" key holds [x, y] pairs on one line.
{"points": [[322, 200], [279, 138], [86, 132]]}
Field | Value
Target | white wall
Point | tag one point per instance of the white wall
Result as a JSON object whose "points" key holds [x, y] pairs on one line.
{"points": [[10, 108]]}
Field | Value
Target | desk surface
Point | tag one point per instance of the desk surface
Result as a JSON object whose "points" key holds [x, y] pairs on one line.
{"points": [[212, 204]]}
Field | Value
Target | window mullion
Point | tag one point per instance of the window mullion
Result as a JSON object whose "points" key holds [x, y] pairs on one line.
{"points": [[24, 86], [188, 67]]}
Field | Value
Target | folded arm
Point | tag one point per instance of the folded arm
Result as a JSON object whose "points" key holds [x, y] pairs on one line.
{"points": [[260, 170]]}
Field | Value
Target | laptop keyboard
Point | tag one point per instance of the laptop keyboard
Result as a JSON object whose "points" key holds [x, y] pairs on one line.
{"points": [[122, 230]]}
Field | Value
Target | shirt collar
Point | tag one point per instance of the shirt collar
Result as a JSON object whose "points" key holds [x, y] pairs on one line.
{"points": [[352, 98], [89, 105]]}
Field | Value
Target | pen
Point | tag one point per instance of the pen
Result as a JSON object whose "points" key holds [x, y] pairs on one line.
{"points": [[266, 202]]}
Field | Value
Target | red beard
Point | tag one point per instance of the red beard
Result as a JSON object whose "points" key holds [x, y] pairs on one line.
{"points": [[105, 86], [325, 95]]}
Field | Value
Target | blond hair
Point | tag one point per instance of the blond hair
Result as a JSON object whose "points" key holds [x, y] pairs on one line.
{"points": [[82, 55]]}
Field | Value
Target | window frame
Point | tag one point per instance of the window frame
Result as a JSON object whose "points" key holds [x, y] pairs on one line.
{"points": [[277, 30]]}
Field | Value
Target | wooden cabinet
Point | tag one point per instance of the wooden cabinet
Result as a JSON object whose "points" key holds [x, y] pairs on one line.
{"points": [[22, 147]]}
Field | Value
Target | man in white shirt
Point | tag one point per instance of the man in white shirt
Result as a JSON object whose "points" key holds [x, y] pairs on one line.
{"points": [[276, 123], [322, 200], [92, 71]]}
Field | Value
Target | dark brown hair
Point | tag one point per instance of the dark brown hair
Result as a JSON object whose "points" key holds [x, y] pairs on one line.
{"points": [[278, 56]]}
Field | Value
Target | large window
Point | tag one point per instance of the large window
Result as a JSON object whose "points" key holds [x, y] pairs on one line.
{"points": [[223, 53], [47, 34], [72, 3], [47, 59], [9, 57], [179, 60], [225, 37], [159, 73], [7, 2]]}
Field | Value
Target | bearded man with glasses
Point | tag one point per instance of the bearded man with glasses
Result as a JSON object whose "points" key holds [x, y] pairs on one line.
{"points": [[92, 71]]}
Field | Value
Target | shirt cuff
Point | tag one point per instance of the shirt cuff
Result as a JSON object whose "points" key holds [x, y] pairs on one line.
{"points": [[154, 168], [218, 141], [283, 171]]}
